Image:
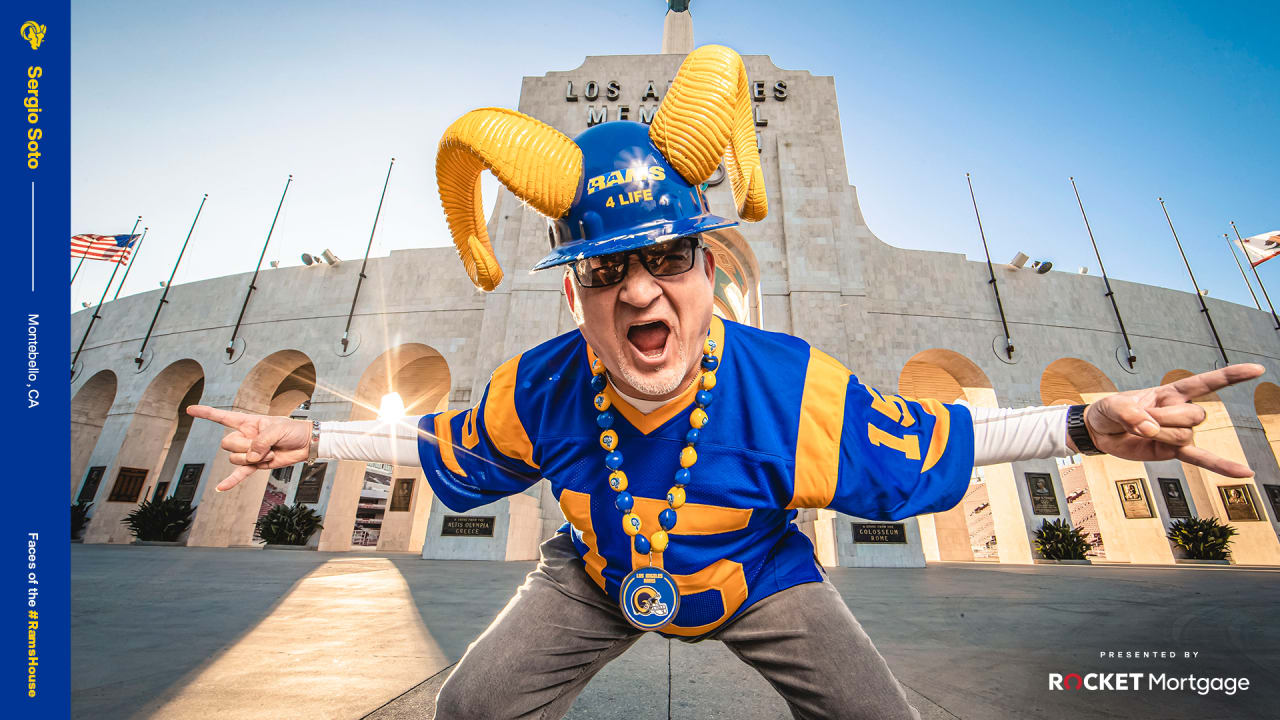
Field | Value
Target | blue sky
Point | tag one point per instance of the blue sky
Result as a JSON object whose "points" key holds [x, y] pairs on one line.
{"points": [[1136, 100]]}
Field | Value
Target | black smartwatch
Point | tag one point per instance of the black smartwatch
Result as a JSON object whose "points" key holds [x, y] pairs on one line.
{"points": [[1078, 433]]}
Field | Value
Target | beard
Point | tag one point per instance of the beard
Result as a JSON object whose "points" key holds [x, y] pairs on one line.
{"points": [[660, 383]]}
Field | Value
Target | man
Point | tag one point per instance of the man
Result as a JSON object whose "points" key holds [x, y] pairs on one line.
{"points": [[680, 445]]}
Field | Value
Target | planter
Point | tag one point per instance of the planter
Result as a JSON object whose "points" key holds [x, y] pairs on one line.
{"points": [[269, 546], [1043, 561], [167, 543], [1189, 561]]}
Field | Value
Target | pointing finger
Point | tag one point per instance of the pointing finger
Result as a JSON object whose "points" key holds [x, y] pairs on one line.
{"points": [[240, 473], [229, 418], [1207, 382], [1213, 463]]}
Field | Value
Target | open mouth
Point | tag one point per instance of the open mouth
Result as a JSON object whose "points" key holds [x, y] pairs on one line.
{"points": [[649, 339]]}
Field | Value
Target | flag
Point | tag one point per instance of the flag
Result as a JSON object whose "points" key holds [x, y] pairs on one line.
{"points": [[1261, 248], [113, 248]]}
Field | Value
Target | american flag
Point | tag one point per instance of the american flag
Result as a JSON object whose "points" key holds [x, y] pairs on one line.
{"points": [[114, 248]]}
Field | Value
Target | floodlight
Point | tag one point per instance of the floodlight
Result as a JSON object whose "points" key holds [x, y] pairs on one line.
{"points": [[329, 257], [307, 259], [1018, 260]]}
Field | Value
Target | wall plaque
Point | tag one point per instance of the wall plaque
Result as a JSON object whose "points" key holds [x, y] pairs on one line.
{"points": [[310, 484], [188, 481], [402, 495], [467, 526], [1238, 501], [1133, 498], [1044, 501], [1174, 499], [879, 533], [1273, 494], [128, 485], [91, 482]]}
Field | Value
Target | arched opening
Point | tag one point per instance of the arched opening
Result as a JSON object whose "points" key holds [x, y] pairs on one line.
{"points": [[1266, 403], [89, 408], [156, 434], [280, 384], [386, 507], [737, 281], [1071, 381], [968, 531]]}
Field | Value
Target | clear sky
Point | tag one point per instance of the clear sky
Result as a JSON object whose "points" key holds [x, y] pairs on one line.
{"points": [[1136, 100]]}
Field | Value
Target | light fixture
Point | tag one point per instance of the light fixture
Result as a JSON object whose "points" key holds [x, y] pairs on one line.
{"points": [[307, 259], [1018, 260], [274, 263], [1204, 291], [163, 283], [392, 407], [1041, 266], [329, 257], [1084, 270], [84, 304]]}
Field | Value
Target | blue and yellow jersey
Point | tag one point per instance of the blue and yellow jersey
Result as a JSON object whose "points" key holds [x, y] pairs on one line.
{"points": [[790, 428]]}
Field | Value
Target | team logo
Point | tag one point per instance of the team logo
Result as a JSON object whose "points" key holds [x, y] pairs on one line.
{"points": [[650, 598], [33, 32]]}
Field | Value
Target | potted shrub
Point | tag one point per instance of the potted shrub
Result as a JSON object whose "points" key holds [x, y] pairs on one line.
{"points": [[1202, 538], [290, 525], [160, 521], [79, 518], [1057, 540]]}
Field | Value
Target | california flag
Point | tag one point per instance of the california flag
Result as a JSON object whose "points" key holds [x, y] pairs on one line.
{"points": [[1261, 248]]}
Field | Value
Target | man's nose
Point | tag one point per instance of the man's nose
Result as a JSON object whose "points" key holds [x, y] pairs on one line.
{"points": [[639, 288]]}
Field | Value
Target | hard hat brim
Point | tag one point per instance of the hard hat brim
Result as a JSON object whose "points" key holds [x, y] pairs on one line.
{"points": [[657, 232]]}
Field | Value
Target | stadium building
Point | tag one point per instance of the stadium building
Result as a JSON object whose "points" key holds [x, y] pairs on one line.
{"points": [[922, 324]]}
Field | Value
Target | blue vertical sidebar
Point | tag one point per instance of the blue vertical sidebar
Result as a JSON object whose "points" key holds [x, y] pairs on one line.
{"points": [[35, 147]]}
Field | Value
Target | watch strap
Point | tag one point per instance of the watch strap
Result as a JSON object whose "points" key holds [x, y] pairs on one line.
{"points": [[1078, 432]]}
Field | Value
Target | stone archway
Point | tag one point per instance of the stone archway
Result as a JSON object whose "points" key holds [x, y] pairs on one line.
{"points": [[988, 523], [277, 385], [737, 281], [89, 408], [359, 510], [1256, 542], [1266, 403], [149, 441]]}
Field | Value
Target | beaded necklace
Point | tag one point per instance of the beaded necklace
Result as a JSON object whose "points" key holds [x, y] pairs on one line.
{"points": [[649, 596]]}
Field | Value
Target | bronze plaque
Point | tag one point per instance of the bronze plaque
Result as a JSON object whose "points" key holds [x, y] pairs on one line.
{"points": [[879, 533], [1174, 499], [91, 482], [188, 481], [128, 485], [1273, 494], [401, 495], [467, 526], [1133, 498], [1238, 501], [310, 484], [1044, 501]]}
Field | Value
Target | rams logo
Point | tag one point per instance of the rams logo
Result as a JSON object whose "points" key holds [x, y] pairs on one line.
{"points": [[646, 601], [33, 32], [628, 176]]}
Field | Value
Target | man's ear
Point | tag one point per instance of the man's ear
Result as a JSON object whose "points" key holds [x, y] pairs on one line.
{"points": [[571, 297], [709, 264]]}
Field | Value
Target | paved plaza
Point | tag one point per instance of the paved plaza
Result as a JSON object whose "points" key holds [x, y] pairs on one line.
{"points": [[198, 633]]}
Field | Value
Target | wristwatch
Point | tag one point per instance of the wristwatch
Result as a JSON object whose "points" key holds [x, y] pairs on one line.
{"points": [[1078, 432], [313, 447]]}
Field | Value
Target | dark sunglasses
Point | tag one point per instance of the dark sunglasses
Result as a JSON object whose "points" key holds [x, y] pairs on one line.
{"points": [[665, 259]]}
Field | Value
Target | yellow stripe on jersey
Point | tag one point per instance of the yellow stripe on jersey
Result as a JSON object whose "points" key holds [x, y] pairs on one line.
{"points": [[500, 419], [725, 577], [444, 442], [941, 432], [818, 439], [692, 519], [577, 510]]}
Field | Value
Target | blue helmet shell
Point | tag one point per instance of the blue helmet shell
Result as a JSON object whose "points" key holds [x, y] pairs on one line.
{"points": [[630, 196]]}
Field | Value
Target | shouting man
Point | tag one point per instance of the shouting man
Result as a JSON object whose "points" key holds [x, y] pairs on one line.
{"points": [[680, 445]]}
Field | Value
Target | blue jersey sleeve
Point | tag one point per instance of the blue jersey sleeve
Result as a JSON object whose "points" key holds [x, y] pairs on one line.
{"points": [[476, 456], [876, 455]]}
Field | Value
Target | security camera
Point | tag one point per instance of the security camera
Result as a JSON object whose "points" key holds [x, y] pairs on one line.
{"points": [[1042, 266], [307, 259]]}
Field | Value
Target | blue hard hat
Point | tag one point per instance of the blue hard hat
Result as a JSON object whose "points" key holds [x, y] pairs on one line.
{"points": [[629, 197]]}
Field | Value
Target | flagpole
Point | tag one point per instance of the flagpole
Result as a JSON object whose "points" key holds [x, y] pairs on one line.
{"points": [[365, 264], [1203, 307], [164, 296], [1008, 341], [1128, 348], [93, 318], [129, 267], [253, 282], [1257, 277], [1241, 268], [77, 272]]}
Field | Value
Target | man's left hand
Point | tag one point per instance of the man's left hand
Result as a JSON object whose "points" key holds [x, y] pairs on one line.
{"points": [[1156, 423]]}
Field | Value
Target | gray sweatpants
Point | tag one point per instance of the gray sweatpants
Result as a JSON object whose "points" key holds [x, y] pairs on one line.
{"points": [[559, 631]]}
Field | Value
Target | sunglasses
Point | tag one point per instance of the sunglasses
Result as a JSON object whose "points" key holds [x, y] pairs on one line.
{"points": [[665, 259]]}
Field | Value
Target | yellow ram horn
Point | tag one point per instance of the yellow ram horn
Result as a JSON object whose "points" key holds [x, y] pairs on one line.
{"points": [[538, 163], [706, 116]]}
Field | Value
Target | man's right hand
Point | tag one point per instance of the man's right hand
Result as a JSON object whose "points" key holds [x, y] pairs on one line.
{"points": [[257, 442]]}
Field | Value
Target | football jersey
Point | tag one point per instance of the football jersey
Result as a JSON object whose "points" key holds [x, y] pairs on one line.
{"points": [[790, 427]]}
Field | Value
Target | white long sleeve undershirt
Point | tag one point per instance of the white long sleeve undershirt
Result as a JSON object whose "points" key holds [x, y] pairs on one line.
{"points": [[1000, 435]]}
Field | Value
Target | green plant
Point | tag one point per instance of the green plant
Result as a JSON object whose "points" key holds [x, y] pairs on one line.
{"points": [[79, 517], [163, 520], [288, 525], [1057, 540], [1202, 538]]}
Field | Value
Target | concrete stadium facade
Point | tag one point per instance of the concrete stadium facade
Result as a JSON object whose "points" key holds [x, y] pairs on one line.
{"points": [[923, 324]]}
